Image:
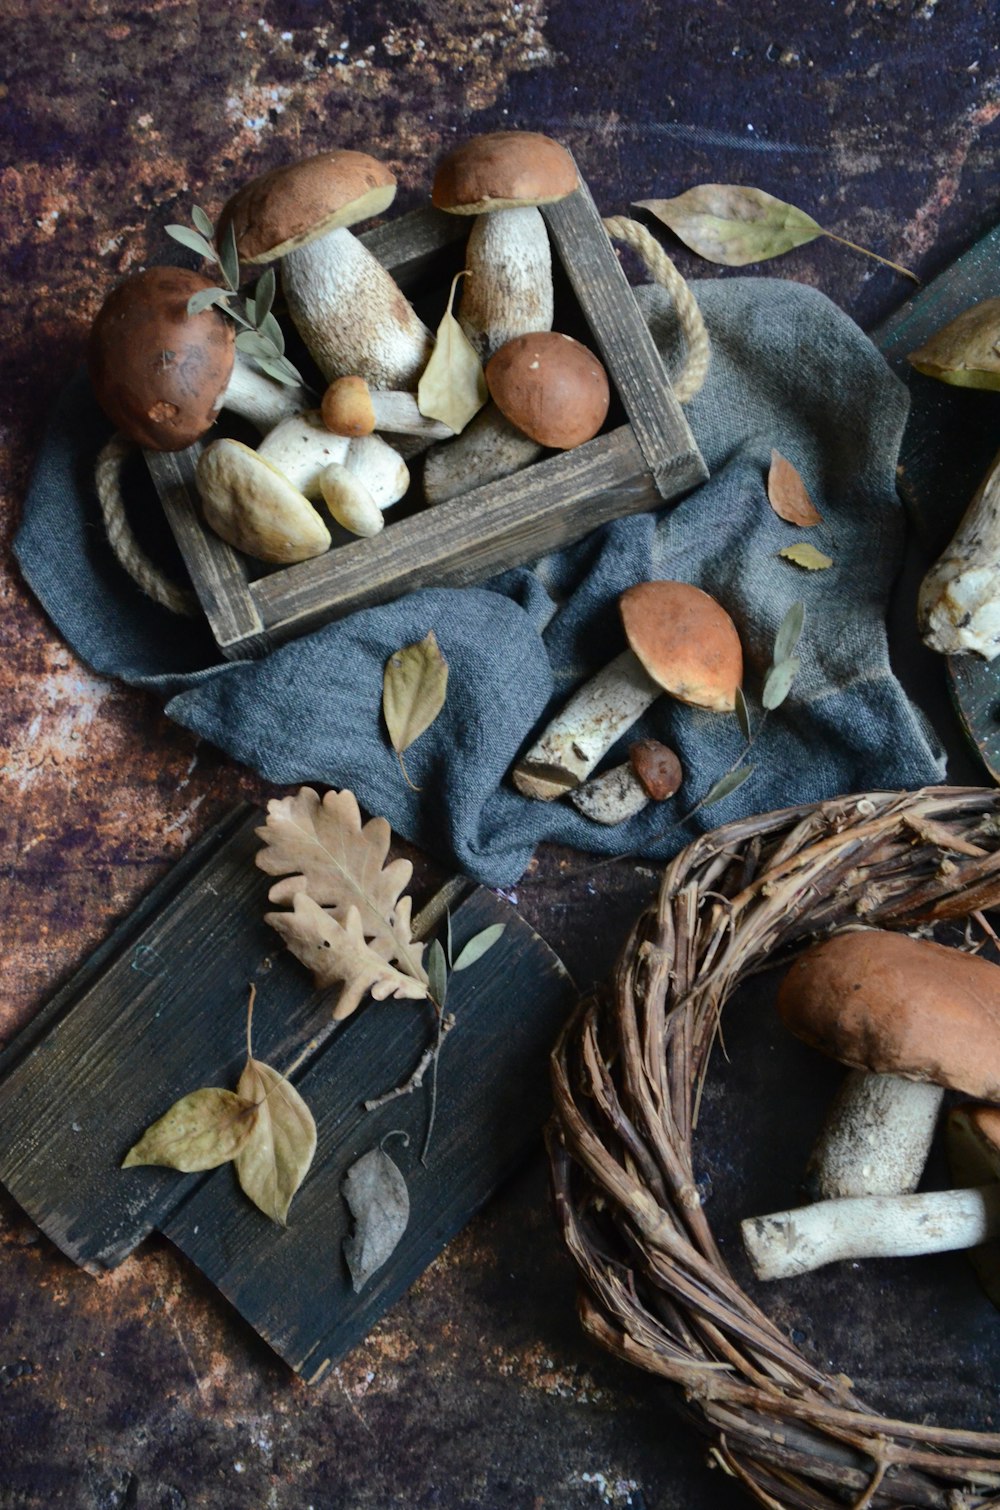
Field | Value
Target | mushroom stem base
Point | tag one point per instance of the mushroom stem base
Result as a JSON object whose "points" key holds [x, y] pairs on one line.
{"points": [[876, 1137]]}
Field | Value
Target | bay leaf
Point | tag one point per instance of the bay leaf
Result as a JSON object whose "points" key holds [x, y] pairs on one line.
{"points": [[452, 387], [726, 784], [732, 225], [202, 1130], [376, 1194], [478, 946], [787, 494], [964, 352], [778, 682], [789, 632], [414, 687], [807, 556], [274, 1160]]}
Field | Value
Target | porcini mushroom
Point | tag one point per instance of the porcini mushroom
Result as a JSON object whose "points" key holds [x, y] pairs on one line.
{"points": [[550, 387], [910, 1017], [350, 407], [162, 376], [301, 448], [347, 308], [680, 641], [253, 507], [652, 773], [972, 1143]]}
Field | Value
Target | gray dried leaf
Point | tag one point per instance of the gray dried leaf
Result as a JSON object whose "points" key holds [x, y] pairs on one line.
{"points": [[379, 1202], [200, 1131], [478, 946], [274, 1160]]}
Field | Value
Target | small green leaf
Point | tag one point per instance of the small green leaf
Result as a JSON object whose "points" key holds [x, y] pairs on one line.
{"points": [[229, 258], [414, 687], [200, 1131], [789, 631], [280, 369], [743, 714], [478, 946], [263, 295], [778, 682], [733, 225], [437, 973], [807, 556], [726, 784], [203, 222], [205, 298], [452, 386], [193, 242], [271, 331], [255, 345], [451, 942]]}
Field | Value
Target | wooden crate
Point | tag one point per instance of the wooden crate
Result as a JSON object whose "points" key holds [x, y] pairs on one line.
{"points": [[637, 465]]}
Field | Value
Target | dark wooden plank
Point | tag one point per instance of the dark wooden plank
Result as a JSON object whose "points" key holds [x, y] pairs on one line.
{"points": [[411, 246], [469, 538], [625, 343], [218, 573], [493, 1096]]}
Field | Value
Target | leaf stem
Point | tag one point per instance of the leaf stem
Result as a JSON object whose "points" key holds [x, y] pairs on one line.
{"points": [[867, 252], [253, 998]]}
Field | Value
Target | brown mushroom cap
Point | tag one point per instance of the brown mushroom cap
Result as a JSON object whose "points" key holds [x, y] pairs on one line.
{"points": [[159, 373], [898, 1005], [288, 207], [501, 170], [656, 768], [686, 642], [550, 387], [347, 408]]}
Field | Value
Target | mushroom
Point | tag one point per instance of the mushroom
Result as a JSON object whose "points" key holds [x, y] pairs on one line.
{"points": [[910, 1017], [680, 641], [162, 375], [958, 606], [898, 1226], [348, 310], [351, 407], [349, 501], [301, 448], [652, 773], [252, 506]]}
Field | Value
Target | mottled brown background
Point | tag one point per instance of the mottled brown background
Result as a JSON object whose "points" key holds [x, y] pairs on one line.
{"points": [[477, 1390]]}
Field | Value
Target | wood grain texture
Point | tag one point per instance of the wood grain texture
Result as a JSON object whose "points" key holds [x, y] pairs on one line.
{"points": [[412, 246]]}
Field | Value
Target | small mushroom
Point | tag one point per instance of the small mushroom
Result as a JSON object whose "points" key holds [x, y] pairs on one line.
{"points": [[351, 407], [910, 1017], [958, 606], [349, 501], [550, 387], [162, 375], [348, 310], [680, 641], [253, 507], [652, 773], [301, 448]]}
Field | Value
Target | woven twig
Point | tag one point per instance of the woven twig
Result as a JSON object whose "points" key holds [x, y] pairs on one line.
{"points": [[627, 1076], [129, 553], [689, 380]]}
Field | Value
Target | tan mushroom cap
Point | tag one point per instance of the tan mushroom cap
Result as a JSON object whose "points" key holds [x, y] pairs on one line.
{"points": [[347, 408], [551, 387], [159, 373], [897, 1005], [686, 642], [250, 505], [502, 170], [290, 206]]}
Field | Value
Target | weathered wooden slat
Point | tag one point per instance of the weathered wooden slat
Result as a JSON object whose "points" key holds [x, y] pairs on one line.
{"points": [[469, 538], [493, 1096], [411, 246], [625, 343], [218, 573]]}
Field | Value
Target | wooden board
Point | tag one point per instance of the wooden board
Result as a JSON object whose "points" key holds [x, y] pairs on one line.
{"points": [[951, 437], [631, 467], [161, 1012]]}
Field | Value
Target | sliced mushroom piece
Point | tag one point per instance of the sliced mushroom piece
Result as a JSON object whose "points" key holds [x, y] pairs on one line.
{"points": [[301, 447], [910, 1017], [958, 606], [680, 641], [652, 773], [162, 376], [253, 507], [348, 310], [350, 407]]}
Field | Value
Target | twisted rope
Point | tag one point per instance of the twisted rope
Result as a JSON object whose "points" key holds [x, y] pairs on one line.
{"points": [[128, 552], [692, 375]]}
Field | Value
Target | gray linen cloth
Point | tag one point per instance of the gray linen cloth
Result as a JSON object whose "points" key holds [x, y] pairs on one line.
{"points": [[789, 371]]}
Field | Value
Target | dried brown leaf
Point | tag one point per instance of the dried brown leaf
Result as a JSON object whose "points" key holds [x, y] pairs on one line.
{"points": [[274, 1160], [807, 556], [200, 1131], [964, 352], [340, 955], [787, 494], [452, 386], [414, 687], [732, 225]]}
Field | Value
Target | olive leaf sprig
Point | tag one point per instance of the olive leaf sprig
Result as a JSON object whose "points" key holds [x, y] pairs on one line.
{"points": [[260, 336]]}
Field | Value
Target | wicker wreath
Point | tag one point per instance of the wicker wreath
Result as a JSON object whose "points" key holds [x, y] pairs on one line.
{"points": [[628, 1072]]}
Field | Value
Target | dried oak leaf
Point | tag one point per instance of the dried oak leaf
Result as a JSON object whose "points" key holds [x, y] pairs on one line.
{"points": [[274, 1160], [320, 847], [787, 494], [340, 954]]}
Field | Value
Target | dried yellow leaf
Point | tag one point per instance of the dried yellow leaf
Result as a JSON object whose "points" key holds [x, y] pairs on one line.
{"points": [[452, 386], [807, 556]]}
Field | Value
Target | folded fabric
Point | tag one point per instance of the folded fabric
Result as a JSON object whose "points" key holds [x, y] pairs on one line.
{"points": [[790, 372]]}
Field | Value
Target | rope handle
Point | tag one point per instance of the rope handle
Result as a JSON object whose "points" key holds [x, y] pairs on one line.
{"points": [[110, 463]]}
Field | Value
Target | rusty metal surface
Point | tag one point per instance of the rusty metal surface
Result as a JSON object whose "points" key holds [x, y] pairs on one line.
{"points": [[478, 1390]]}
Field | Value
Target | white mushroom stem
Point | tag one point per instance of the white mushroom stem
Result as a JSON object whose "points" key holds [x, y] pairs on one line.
{"points": [[302, 448], [488, 449], [876, 1138], [613, 797], [379, 467], [350, 502], [351, 315], [509, 288], [597, 715], [259, 399], [398, 414], [795, 1242], [958, 607]]}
